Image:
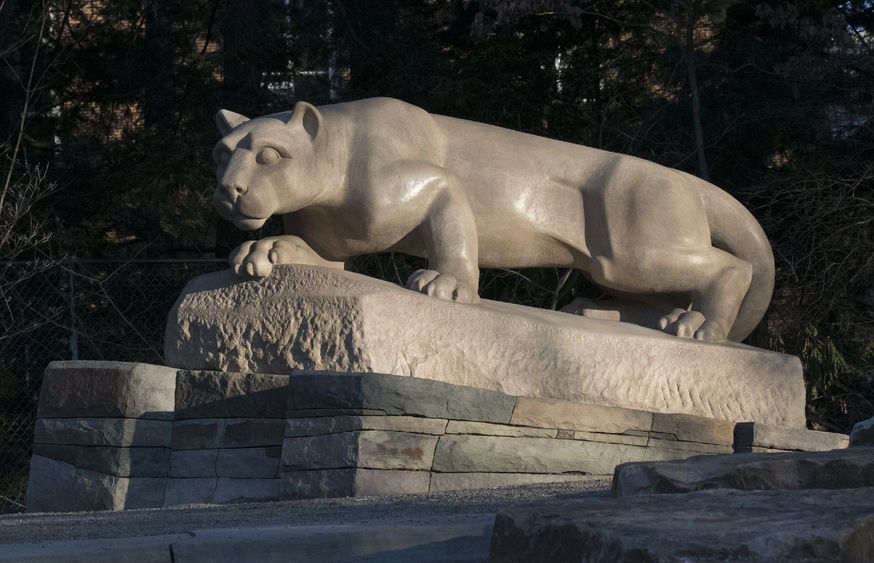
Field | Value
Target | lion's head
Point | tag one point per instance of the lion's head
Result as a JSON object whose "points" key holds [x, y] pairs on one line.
{"points": [[266, 166]]}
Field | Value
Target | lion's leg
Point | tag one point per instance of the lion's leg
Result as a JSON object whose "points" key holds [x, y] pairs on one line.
{"points": [[716, 281], [256, 258]]}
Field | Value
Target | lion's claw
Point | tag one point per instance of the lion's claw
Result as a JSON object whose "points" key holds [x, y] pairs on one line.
{"points": [[442, 286]]}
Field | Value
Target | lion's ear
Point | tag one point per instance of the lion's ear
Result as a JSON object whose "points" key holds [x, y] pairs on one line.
{"points": [[307, 116], [227, 120]]}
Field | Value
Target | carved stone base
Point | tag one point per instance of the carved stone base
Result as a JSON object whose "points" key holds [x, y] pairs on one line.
{"points": [[310, 318]]}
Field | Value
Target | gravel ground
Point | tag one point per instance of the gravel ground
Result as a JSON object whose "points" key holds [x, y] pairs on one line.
{"points": [[420, 508]]}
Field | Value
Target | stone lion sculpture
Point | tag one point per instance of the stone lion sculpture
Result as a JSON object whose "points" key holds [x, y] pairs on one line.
{"points": [[382, 175]]}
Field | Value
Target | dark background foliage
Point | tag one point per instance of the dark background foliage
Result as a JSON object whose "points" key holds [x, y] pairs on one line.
{"points": [[772, 101]]}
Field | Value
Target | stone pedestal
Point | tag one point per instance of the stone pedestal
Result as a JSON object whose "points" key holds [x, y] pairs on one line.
{"points": [[311, 318], [112, 436]]}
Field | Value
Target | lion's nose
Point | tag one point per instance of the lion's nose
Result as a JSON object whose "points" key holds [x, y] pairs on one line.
{"points": [[233, 191]]}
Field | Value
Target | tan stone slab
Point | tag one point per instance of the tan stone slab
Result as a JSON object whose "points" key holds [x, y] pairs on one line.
{"points": [[345, 423], [553, 413], [460, 453], [84, 389], [119, 432], [330, 483], [627, 439], [466, 481], [688, 428], [310, 318], [373, 449], [487, 429], [695, 447], [749, 435]]}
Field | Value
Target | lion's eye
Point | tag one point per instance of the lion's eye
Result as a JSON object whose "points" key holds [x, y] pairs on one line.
{"points": [[268, 155]]}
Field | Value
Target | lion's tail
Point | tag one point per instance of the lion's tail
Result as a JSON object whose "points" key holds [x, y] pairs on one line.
{"points": [[734, 229]]}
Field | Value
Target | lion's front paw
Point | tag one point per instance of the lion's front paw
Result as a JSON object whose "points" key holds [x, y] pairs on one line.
{"points": [[443, 286], [692, 324], [254, 259]]}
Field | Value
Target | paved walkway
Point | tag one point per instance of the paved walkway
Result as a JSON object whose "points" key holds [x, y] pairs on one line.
{"points": [[452, 526]]}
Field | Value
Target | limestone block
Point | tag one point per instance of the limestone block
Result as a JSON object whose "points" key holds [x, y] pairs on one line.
{"points": [[190, 491], [121, 462], [374, 449], [189, 464], [552, 413], [251, 432], [466, 481], [85, 389], [246, 490], [58, 486], [499, 454], [835, 469], [396, 395], [360, 482], [487, 429], [749, 435], [249, 463], [863, 433], [346, 423], [198, 433], [121, 432], [230, 395], [703, 526], [311, 318], [689, 428]]}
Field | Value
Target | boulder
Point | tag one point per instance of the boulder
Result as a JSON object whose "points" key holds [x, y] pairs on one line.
{"points": [[328, 320], [863, 433]]}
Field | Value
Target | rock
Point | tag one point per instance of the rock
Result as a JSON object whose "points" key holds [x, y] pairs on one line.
{"points": [[863, 433], [749, 436], [246, 490], [249, 463], [546, 413], [311, 318], [466, 481], [198, 434], [396, 395], [459, 453], [120, 432], [487, 429], [811, 525], [336, 424], [190, 491], [121, 462], [85, 389], [189, 464], [372, 449], [835, 469], [253, 432], [693, 428], [230, 395], [352, 483]]}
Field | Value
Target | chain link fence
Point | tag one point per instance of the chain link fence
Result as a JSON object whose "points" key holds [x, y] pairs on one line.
{"points": [[82, 310]]}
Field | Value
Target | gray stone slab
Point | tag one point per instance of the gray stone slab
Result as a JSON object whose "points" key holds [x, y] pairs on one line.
{"points": [[375, 449], [318, 413], [553, 413], [692, 447], [626, 439], [249, 463], [121, 462], [189, 464], [347, 423], [120, 432], [488, 429], [688, 428], [459, 453], [835, 469], [397, 395], [252, 432], [190, 491], [310, 318], [210, 394], [754, 434], [198, 433], [703, 526], [58, 486], [246, 490], [331, 483], [152, 549], [863, 433], [467, 481], [85, 389]]}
